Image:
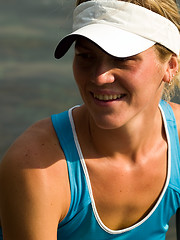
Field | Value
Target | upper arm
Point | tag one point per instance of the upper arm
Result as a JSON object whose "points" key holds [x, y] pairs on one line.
{"points": [[33, 189], [25, 206]]}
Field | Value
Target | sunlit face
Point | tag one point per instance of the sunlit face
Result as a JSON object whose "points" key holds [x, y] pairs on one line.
{"points": [[116, 90]]}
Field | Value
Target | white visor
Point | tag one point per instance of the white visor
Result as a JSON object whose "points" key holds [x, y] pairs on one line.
{"points": [[121, 29]]}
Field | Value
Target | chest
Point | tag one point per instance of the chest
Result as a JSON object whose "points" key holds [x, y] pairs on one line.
{"points": [[124, 195]]}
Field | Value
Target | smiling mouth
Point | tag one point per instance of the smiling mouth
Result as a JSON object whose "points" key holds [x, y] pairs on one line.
{"points": [[110, 97]]}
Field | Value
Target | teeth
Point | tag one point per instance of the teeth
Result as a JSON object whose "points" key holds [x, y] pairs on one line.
{"points": [[108, 97]]}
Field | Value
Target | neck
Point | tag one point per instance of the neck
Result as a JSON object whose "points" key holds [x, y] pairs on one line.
{"points": [[131, 140]]}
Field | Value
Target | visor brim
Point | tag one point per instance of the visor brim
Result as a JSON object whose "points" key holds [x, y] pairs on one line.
{"points": [[116, 42]]}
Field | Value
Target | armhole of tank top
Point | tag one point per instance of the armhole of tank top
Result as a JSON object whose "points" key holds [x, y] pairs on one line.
{"points": [[57, 121], [169, 113], [176, 143], [59, 129]]}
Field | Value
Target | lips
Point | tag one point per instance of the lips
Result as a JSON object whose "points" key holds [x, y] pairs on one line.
{"points": [[108, 97]]}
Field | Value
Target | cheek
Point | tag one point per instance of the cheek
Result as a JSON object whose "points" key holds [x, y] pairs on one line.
{"points": [[82, 74], [148, 76], [79, 77], [76, 72], [74, 67], [144, 84]]}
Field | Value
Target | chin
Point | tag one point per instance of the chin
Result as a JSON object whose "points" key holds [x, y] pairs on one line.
{"points": [[108, 123]]}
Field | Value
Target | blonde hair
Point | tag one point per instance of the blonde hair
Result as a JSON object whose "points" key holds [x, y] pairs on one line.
{"points": [[169, 10]]}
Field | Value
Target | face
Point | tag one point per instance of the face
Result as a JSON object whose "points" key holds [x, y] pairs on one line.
{"points": [[117, 90]]}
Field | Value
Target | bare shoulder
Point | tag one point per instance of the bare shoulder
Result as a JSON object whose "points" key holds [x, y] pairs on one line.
{"points": [[176, 110], [33, 179], [37, 147]]}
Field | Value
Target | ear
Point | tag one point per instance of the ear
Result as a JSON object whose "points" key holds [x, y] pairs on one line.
{"points": [[171, 68]]}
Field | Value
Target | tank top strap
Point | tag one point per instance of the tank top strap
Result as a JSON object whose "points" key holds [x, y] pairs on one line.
{"points": [[173, 138], [79, 191]]}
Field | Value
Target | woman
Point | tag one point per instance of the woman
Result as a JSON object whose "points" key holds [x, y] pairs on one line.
{"points": [[108, 169]]}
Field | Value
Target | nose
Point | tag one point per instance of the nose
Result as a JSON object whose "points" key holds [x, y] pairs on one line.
{"points": [[104, 73]]}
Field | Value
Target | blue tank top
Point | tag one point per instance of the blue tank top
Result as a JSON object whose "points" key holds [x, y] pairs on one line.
{"points": [[82, 221]]}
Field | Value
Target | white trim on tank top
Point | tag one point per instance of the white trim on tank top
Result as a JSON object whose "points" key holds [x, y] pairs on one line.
{"points": [[99, 221]]}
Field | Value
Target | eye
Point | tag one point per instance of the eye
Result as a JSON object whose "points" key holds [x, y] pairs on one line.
{"points": [[84, 55], [127, 62], [83, 52], [125, 59]]}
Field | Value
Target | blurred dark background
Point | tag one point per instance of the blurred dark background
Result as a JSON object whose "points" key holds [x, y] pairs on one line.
{"points": [[33, 85]]}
